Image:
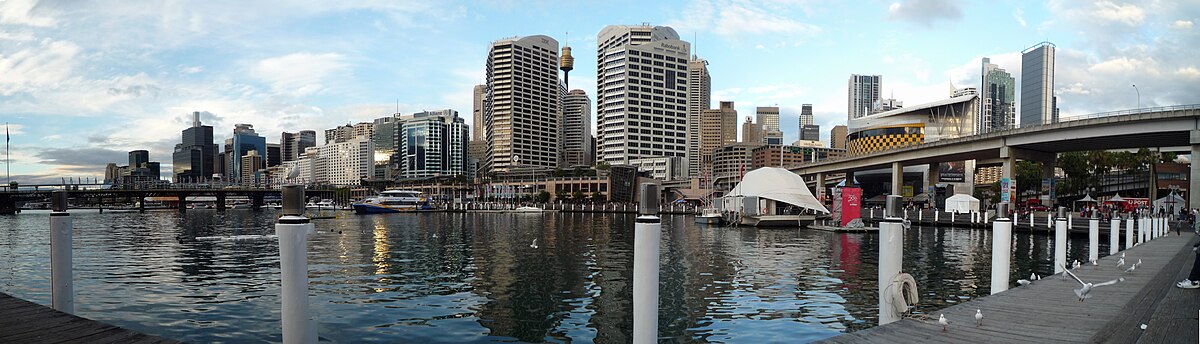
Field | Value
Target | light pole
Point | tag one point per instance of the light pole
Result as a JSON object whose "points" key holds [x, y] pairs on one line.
{"points": [[1139, 96]]}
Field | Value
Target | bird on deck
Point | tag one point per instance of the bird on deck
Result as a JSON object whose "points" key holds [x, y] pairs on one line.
{"points": [[942, 320], [1134, 266], [1121, 262], [978, 318], [1084, 292], [534, 244], [1024, 282]]}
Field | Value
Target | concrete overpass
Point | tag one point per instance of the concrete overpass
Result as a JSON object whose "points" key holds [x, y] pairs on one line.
{"points": [[1174, 126]]}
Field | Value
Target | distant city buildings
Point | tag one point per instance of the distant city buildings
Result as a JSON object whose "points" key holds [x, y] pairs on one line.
{"points": [[347, 132], [432, 143], [837, 137], [292, 145], [752, 133], [384, 137], [699, 98], [577, 130], [768, 117], [862, 93], [522, 111], [1038, 105], [139, 169], [998, 105], [809, 130], [345, 163], [195, 156], [243, 141], [718, 127], [642, 93]]}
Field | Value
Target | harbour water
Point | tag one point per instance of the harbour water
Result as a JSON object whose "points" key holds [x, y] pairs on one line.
{"points": [[454, 277]]}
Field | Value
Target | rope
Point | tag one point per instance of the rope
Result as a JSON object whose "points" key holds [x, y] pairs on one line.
{"points": [[903, 289]]}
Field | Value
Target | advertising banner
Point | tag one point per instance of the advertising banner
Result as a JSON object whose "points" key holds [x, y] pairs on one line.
{"points": [[851, 204], [952, 172], [1005, 194]]}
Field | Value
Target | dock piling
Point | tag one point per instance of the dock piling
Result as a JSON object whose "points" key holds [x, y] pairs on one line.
{"points": [[292, 229], [646, 240], [1001, 248], [62, 274], [1093, 237], [1060, 240], [1128, 231], [891, 259], [1114, 239]]}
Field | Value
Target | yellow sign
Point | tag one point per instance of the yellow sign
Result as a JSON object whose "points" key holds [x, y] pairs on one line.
{"points": [[906, 191]]}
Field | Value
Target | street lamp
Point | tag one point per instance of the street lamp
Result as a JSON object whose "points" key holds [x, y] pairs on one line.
{"points": [[1139, 96]]}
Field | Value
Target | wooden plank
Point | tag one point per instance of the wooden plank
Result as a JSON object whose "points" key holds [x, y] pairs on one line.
{"points": [[27, 322]]}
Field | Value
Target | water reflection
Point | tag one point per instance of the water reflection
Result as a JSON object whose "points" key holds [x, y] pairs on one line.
{"points": [[476, 277]]}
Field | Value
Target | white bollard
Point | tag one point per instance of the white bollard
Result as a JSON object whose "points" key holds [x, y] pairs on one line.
{"points": [[1001, 249], [891, 259], [936, 214], [872, 213], [1031, 220], [1060, 241], [1129, 231], [1070, 220], [1141, 230], [62, 271], [292, 229], [1093, 238], [1114, 239], [1049, 220], [647, 236], [920, 215], [952, 218]]}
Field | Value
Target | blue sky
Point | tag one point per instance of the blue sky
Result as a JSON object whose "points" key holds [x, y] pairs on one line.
{"points": [[81, 83]]}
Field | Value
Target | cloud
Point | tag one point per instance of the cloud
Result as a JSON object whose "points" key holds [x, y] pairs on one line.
{"points": [[925, 12], [1019, 16], [43, 66], [300, 74], [24, 12], [1182, 25], [81, 156], [1128, 14], [735, 20]]}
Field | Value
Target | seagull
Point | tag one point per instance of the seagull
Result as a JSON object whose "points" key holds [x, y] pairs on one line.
{"points": [[978, 318], [942, 320], [435, 235], [1122, 255], [1024, 282], [1094, 263], [1084, 292], [1134, 266], [293, 173], [1032, 276], [1143, 327], [1039, 278], [1121, 262], [534, 244], [1076, 264]]}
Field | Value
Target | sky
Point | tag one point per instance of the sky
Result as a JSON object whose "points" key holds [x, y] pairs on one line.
{"points": [[84, 82]]}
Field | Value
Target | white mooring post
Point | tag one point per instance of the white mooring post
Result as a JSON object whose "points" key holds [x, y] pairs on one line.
{"points": [[1060, 240], [1031, 220], [1093, 237], [647, 235], [1049, 220], [891, 258], [1141, 229], [1114, 238], [936, 213], [1001, 248], [1128, 231], [62, 274], [292, 230]]}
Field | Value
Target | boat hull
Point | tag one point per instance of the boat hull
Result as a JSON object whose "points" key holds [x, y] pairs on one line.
{"points": [[710, 220], [382, 209]]}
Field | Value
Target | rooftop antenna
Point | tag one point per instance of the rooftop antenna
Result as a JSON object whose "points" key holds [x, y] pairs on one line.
{"points": [[397, 106]]}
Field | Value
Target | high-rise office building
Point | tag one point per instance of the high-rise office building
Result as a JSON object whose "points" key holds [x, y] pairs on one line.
{"points": [[768, 117], [642, 93], [432, 143], [998, 108], [811, 132], [806, 115], [347, 132], [194, 157], [292, 145], [699, 99], [272, 157], [837, 137], [251, 165], [345, 163], [1037, 85], [479, 96], [243, 141], [718, 127], [384, 137], [862, 92], [752, 132], [577, 130], [138, 157], [522, 104]]}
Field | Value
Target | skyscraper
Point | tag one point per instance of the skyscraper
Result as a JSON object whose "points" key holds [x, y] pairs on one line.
{"points": [[384, 137], [811, 132], [194, 157], [292, 145], [577, 130], [806, 115], [699, 99], [718, 127], [768, 117], [752, 132], [432, 143], [837, 137], [480, 93], [522, 106], [347, 132], [998, 108], [138, 158], [1037, 85], [243, 141], [642, 93], [863, 91]]}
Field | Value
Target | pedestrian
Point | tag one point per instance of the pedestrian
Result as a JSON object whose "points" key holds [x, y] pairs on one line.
{"points": [[1193, 280]]}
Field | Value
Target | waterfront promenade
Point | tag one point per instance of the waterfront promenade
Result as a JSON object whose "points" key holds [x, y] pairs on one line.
{"points": [[27, 322], [1048, 311]]}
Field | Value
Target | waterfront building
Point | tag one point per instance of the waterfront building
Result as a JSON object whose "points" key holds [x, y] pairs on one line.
{"points": [[347, 132], [862, 93], [837, 137], [432, 143], [384, 137], [522, 105], [752, 132], [345, 163], [797, 153], [577, 130], [292, 145], [1037, 85], [883, 105], [667, 168], [195, 155], [768, 117], [252, 167], [243, 141], [642, 92], [998, 106], [929, 122], [718, 127], [699, 98], [730, 162]]}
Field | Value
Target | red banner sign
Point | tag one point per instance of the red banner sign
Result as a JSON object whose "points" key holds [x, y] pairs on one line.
{"points": [[851, 204]]}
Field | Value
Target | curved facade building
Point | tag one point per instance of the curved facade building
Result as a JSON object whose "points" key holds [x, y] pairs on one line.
{"points": [[904, 127]]}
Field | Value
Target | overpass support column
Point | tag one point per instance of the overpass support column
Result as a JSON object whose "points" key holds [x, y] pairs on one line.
{"points": [[1194, 173], [931, 177], [182, 202], [897, 177], [221, 201], [820, 190], [256, 201]]}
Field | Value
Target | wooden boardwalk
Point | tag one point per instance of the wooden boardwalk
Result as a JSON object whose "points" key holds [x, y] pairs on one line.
{"points": [[27, 322], [1047, 311]]}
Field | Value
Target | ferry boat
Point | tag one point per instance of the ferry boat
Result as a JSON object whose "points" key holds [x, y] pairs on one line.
{"points": [[393, 201]]}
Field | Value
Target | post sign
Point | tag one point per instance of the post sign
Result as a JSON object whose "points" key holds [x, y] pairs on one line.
{"points": [[851, 204], [1005, 187]]}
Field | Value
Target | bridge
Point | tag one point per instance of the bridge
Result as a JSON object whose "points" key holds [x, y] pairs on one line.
{"points": [[9, 196], [1174, 127]]}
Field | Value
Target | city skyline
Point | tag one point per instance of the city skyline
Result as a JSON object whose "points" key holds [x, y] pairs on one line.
{"points": [[135, 86]]}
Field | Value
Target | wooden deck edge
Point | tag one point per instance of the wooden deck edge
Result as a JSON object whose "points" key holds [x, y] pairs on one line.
{"points": [[1125, 327]]}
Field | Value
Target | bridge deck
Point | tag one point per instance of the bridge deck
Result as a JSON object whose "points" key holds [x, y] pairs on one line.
{"points": [[1048, 311], [27, 322]]}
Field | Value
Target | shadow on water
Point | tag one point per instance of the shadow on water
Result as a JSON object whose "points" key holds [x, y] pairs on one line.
{"points": [[441, 277]]}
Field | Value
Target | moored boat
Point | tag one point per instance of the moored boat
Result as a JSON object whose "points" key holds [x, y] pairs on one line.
{"points": [[710, 216], [393, 201]]}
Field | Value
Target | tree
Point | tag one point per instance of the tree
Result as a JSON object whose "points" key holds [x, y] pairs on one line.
{"points": [[598, 197], [543, 197], [602, 166], [560, 195], [578, 195]]}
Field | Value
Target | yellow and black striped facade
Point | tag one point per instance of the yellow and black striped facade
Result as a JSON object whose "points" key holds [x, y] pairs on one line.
{"points": [[885, 138]]}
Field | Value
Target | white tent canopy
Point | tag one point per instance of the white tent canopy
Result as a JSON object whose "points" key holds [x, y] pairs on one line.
{"points": [[1116, 198], [775, 184], [1086, 198], [1170, 203], [962, 203]]}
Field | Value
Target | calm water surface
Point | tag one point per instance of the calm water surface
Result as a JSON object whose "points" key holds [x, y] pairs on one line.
{"points": [[443, 277]]}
